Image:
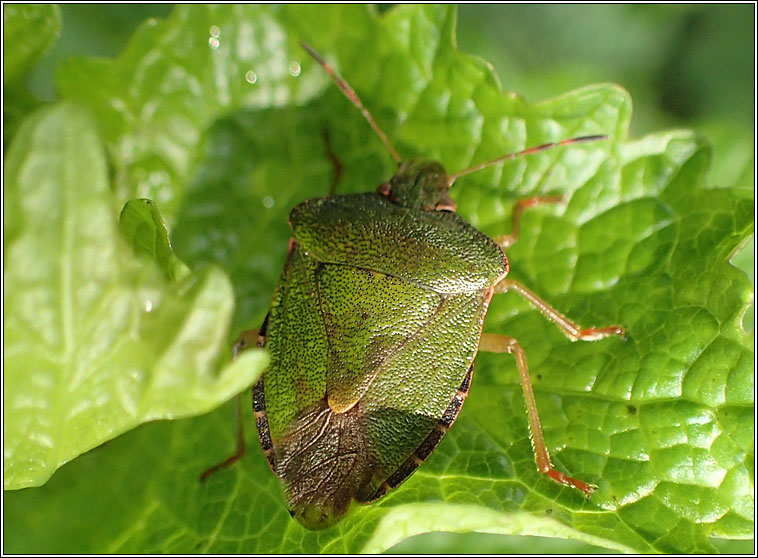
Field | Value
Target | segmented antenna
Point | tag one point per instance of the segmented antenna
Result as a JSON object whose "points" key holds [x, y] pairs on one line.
{"points": [[528, 151], [350, 94]]}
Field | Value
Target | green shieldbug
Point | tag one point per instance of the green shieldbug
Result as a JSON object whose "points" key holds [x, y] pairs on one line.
{"points": [[372, 333]]}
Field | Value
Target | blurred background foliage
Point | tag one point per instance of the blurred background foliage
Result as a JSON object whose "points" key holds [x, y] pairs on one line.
{"points": [[690, 66]]}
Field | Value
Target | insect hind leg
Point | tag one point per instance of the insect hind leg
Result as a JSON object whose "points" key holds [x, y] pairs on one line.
{"points": [[246, 340], [504, 344], [240, 450]]}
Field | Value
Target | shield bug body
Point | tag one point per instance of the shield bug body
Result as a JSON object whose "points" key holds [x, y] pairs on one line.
{"points": [[372, 333]]}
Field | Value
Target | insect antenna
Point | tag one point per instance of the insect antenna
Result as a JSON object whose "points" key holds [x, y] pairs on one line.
{"points": [[527, 151], [350, 94]]}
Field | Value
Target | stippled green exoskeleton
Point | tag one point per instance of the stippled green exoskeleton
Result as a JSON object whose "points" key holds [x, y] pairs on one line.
{"points": [[372, 333]]}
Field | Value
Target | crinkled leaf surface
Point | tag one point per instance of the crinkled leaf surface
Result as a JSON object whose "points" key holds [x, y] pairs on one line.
{"points": [[661, 422], [95, 342]]}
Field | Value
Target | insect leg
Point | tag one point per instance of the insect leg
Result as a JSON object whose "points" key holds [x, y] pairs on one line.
{"points": [[247, 339], [570, 329], [506, 240], [503, 344], [334, 160], [353, 97]]}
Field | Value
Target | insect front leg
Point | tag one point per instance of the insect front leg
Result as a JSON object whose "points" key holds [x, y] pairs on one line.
{"points": [[337, 169], [570, 329], [504, 344], [507, 240], [247, 339]]}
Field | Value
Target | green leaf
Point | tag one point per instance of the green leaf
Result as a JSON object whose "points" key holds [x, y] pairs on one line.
{"points": [[143, 226], [661, 422], [157, 98], [28, 32], [95, 341]]}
